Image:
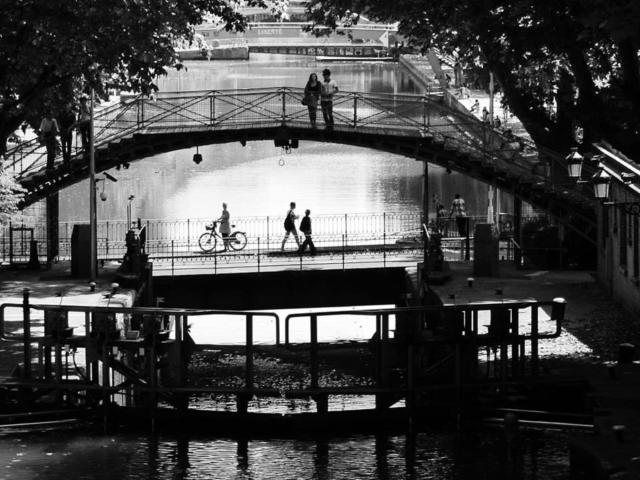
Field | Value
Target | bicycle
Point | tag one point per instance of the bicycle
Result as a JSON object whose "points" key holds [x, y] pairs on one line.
{"points": [[208, 240]]}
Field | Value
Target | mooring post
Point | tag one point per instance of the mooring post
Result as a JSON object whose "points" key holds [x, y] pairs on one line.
{"points": [[26, 326]]}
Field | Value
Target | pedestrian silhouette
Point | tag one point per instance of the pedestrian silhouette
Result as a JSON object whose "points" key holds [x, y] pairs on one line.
{"points": [[290, 226], [305, 227], [311, 97]]}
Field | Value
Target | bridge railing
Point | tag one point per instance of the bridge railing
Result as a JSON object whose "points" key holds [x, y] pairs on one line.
{"points": [[422, 116]]}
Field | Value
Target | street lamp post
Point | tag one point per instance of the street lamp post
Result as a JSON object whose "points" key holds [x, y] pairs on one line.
{"points": [[92, 199]]}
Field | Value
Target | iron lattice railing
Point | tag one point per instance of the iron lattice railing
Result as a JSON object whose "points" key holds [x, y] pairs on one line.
{"points": [[406, 115]]}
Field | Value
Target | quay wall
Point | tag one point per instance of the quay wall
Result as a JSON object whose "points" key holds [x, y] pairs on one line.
{"points": [[284, 289]]}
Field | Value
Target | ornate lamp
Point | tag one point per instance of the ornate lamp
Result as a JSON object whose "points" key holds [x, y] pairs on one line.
{"points": [[601, 181], [574, 163]]}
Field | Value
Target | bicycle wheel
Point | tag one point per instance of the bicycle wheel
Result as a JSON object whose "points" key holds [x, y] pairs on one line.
{"points": [[237, 240], [207, 242]]}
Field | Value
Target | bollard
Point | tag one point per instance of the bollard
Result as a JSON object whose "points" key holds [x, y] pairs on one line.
{"points": [[558, 308], [626, 352]]}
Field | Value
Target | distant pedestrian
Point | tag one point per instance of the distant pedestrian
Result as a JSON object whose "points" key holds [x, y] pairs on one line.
{"points": [[475, 107], [464, 91], [459, 211], [327, 90], [47, 134], [225, 226], [485, 115], [84, 122], [305, 227], [311, 97], [67, 119], [290, 225]]}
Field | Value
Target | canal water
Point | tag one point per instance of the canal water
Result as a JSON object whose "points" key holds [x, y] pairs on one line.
{"points": [[260, 179], [438, 455]]}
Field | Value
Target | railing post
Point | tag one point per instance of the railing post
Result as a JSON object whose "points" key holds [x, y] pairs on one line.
{"points": [[425, 117], [343, 248], [268, 243], [346, 229], [284, 105], [467, 245], [107, 239], [212, 108], [258, 254], [172, 253], [355, 109], [188, 233], [384, 239]]}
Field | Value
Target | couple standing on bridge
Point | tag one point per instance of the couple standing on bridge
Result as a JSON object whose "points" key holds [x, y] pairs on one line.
{"points": [[323, 91]]}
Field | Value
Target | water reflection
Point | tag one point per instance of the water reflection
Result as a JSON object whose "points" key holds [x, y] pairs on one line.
{"points": [[327, 178], [437, 455]]}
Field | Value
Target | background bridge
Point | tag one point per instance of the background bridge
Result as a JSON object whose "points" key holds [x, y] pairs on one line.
{"points": [[422, 127]]}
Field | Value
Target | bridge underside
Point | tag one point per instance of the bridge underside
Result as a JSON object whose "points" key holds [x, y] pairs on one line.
{"points": [[575, 212]]}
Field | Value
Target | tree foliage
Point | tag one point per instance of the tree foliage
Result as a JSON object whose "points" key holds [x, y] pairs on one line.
{"points": [[51, 50], [562, 65]]}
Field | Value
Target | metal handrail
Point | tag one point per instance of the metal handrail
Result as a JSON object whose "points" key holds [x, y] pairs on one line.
{"points": [[189, 312], [557, 313]]}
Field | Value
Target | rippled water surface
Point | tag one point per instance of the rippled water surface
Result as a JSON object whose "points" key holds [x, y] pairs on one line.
{"points": [[54, 456]]}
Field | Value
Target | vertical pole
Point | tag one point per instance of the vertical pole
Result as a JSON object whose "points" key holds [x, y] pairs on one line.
{"points": [[268, 244], [249, 351], [314, 351], [284, 106], [425, 222], [189, 233], [491, 98], [92, 198], [384, 239], [53, 237], [534, 341], [467, 243], [355, 109], [343, 248], [517, 217], [26, 325], [258, 254], [172, 258], [346, 229]]}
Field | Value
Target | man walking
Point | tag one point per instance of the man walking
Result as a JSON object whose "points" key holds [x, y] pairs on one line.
{"points": [[305, 227], [328, 88], [290, 226]]}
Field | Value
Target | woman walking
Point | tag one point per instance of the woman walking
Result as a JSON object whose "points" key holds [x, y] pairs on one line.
{"points": [[311, 97]]}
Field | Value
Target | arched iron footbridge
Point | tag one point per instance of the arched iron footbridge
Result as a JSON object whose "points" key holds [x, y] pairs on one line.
{"points": [[421, 127]]}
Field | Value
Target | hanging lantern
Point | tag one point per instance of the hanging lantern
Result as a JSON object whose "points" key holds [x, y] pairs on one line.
{"points": [[574, 163], [601, 181]]}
